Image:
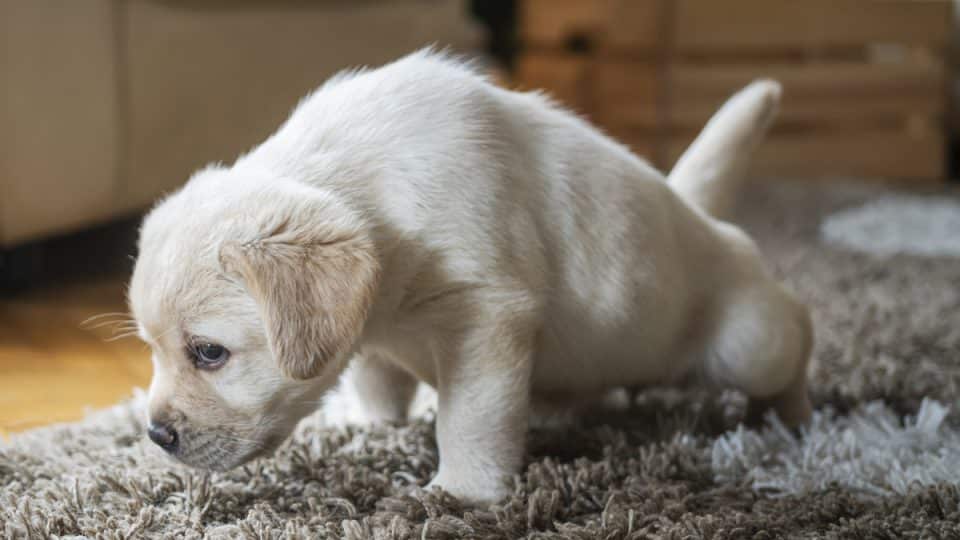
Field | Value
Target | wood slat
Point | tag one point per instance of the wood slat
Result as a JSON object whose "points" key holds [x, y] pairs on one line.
{"points": [[556, 22], [589, 85], [642, 143], [710, 25], [826, 114], [816, 79], [876, 154], [563, 76], [828, 93], [626, 93]]}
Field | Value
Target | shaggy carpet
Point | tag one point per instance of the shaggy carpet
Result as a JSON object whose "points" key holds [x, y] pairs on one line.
{"points": [[880, 460]]}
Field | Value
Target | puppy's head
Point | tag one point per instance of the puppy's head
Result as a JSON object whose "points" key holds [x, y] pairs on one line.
{"points": [[251, 292]]}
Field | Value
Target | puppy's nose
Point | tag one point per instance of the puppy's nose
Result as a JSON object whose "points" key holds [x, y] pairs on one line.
{"points": [[164, 435]]}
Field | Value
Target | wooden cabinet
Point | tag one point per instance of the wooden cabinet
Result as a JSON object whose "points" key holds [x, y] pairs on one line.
{"points": [[865, 81]]}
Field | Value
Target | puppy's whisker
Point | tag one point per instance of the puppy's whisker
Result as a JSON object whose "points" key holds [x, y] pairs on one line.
{"points": [[99, 316], [125, 330], [127, 326], [133, 331], [101, 324], [121, 336]]}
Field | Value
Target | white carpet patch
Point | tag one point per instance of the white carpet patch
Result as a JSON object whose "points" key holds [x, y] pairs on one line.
{"points": [[870, 451], [913, 225]]}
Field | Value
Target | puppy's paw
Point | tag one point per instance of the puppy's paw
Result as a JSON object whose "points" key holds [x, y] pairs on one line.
{"points": [[474, 493]]}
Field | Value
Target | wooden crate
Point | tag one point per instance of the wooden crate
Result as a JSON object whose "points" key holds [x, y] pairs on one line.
{"points": [[865, 80]]}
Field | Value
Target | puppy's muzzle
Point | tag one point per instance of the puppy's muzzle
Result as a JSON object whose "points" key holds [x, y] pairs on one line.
{"points": [[164, 436]]}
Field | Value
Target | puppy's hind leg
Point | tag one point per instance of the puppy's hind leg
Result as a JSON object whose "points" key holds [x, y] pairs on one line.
{"points": [[761, 347], [379, 391]]}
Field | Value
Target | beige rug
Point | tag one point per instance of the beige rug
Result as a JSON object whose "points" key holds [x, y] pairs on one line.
{"points": [[881, 459]]}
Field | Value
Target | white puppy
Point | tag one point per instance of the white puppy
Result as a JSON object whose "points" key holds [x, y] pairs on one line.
{"points": [[442, 229]]}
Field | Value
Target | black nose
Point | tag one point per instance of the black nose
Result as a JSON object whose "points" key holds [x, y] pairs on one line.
{"points": [[164, 435]]}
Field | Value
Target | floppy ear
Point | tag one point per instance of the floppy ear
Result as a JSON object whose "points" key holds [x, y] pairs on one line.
{"points": [[313, 277]]}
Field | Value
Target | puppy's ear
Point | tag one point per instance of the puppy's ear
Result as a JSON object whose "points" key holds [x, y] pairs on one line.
{"points": [[313, 274]]}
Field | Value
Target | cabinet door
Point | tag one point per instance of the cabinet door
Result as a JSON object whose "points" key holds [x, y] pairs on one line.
{"points": [[210, 80], [58, 120]]}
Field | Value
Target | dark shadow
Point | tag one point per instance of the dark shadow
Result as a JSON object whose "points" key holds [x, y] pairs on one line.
{"points": [[103, 250]]}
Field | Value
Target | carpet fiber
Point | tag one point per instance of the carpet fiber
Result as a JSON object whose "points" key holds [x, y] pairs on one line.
{"points": [[881, 459]]}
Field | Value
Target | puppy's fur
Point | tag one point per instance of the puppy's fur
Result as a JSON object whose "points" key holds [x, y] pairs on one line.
{"points": [[435, 227]]}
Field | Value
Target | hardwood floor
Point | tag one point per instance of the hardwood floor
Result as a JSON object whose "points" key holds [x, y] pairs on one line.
{"points": [[52, 367]]}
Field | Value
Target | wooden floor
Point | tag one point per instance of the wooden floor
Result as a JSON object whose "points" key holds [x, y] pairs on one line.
{"points": [[53, 367]]}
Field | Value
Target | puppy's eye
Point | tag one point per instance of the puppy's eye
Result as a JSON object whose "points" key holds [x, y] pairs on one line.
{"points": [[209, 355]]}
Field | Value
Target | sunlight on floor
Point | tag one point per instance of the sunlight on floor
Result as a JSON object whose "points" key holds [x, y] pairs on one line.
{"points": [[52, 367]]}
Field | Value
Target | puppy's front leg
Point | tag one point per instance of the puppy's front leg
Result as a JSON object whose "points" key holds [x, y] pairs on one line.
{"points": [[483, 409]]}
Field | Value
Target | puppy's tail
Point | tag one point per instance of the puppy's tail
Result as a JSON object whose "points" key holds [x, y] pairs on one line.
{"points": [[711, 172]]}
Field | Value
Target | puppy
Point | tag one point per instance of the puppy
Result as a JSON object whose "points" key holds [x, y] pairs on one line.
{"points": [[434, 227]]}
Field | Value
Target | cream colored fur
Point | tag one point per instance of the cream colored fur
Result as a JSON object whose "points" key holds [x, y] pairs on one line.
{"points": [[486, 242]]}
